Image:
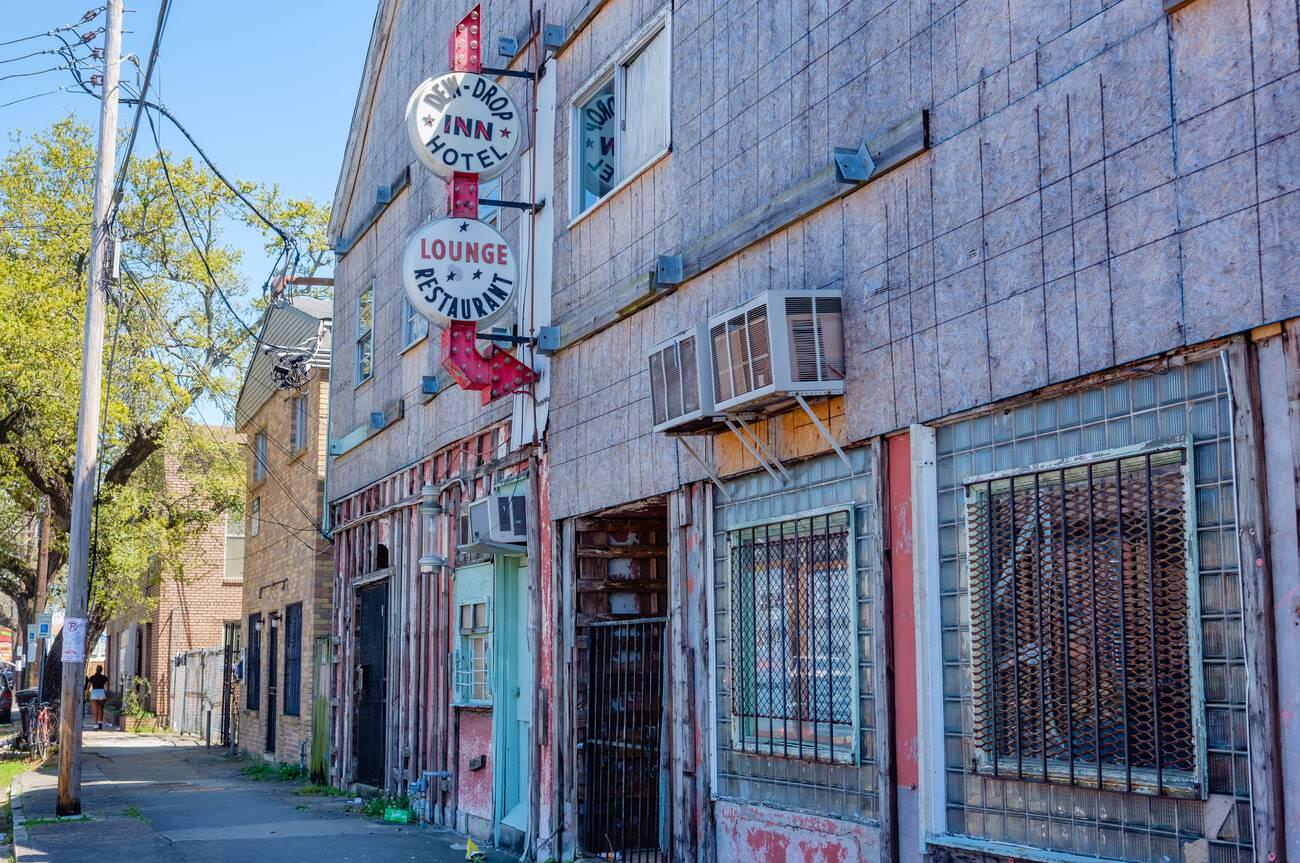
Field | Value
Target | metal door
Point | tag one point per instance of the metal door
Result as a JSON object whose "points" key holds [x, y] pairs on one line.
{"points": [[272, 681], [623, 745], [371, 682], [230, 656]]}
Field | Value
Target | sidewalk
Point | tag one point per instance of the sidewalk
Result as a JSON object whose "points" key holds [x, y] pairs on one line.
{"points": [[154, 798]]}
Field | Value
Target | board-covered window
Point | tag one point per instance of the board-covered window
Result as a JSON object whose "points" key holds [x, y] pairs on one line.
{"points": [[292, 658], [621, 121], [259, 456], [255, 517], [415, 326], [365, 346], [1082, 625], [792, 636], [234, 556]]}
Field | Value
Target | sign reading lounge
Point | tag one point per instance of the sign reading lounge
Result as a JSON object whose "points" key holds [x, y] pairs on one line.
{"points": [[459, 270]]}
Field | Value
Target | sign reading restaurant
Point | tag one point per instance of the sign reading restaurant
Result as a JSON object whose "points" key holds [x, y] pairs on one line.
{"points": [[462, 121], [459, 270]]}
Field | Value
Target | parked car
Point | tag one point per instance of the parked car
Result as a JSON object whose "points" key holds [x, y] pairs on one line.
{"points": [[6, 705]]}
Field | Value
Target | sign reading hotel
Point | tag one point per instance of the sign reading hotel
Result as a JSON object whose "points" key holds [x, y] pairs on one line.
{"points": [[459, 270], [462, 121]]}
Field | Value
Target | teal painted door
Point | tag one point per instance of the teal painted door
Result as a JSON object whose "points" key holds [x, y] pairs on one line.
{"points": [[512, 695]]}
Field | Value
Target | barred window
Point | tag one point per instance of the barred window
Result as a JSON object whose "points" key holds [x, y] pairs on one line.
{"points": [[292, 659], [792, 622], [1081, 625], [474, 653]]}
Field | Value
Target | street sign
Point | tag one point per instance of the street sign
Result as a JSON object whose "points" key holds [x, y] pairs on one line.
{"points": [[74, 639], [44, 621], [31, 633], [463, 121], [459, 270]]}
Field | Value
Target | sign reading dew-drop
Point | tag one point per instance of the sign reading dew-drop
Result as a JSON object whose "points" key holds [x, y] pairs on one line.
{"points": [[459, 270], [464, 122]]}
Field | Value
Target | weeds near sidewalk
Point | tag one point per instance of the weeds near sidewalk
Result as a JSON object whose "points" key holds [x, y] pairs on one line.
{"points": [[67, 819], [314, 790], [132, 811], [11, 765], [260, 771], [375, 806]]}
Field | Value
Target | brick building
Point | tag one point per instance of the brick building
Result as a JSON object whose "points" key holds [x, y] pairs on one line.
{"points": [[185, 607], [282, 411], [915, 471]]}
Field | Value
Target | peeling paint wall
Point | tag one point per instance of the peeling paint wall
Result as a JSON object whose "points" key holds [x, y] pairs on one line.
{"points": [[756, 833], [474, 787]]}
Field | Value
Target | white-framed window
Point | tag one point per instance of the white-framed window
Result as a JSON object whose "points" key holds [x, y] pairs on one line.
{"points": [[793, 625], [301, 427], [490, 213], [255, 517], [621, 121], [473, 652], [259, 456], [234, 570], [415, 326], [365, 347]]}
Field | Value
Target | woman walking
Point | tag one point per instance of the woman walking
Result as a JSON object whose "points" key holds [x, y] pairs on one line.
{"points": [[98, 683]]}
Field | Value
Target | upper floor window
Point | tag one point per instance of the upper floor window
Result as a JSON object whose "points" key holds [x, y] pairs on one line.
{"points": [[259, 456], [234, 570], [255, 517], [365, 350], [490, 213], [1081, 625], [415, 326], [621, 121], [301, 428]]}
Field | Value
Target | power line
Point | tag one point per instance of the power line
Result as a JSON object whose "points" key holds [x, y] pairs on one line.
{"points": [[90, 15], [164, 9], [35, 96], [33, 74]]}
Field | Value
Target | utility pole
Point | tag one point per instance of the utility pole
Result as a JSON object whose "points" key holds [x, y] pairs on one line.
{"points": [[87, 467]]}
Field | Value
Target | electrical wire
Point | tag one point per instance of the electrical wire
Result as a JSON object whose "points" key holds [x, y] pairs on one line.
{"points": [[164, 10], [28, 55], [45, 71], [90, 15], [35, 96]]}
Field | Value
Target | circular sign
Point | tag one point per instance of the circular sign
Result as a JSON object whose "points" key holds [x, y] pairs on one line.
{"points": [[463, 121], [459, 270]]}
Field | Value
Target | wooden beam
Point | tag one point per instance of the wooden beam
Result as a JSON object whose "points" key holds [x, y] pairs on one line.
{"points": [[1257, 605], [888, 149], [616, 552], [1172, 6]]}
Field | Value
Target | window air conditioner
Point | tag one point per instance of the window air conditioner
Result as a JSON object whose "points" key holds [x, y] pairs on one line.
{"points": [[777, 345], [499, 519], [681, 387]]}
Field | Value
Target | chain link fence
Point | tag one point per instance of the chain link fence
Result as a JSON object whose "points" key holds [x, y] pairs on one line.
{"points": [[196, 692]]}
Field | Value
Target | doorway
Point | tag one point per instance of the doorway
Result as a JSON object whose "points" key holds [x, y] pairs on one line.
{"points": [[620, 681], [512, 698], [371, 683], [272, 678]]}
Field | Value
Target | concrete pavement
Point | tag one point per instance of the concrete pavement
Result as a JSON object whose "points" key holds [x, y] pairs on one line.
{"points": [[158, 798]]}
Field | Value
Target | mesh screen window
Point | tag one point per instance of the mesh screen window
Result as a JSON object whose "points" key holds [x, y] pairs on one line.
{"points": [[1079, 625]]}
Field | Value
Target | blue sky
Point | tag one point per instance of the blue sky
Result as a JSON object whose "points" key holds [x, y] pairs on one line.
{"points": [[265, 86]]}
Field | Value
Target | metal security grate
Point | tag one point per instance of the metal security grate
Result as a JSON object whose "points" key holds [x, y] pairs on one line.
{"points": [[1080, 629], [793, 638], [623, 745]]}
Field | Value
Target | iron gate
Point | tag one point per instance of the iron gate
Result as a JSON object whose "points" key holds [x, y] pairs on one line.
{"points": [[229, 678], [623, 744]]}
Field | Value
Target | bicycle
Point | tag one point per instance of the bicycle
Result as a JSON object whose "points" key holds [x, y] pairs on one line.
{"points": [[43, 734]]}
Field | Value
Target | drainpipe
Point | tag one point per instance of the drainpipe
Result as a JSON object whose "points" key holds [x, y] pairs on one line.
{"points": [[326, 528]]}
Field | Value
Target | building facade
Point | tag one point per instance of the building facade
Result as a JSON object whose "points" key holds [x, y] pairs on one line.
{"points": [[912, 468], [185, 606], [282, 411]]}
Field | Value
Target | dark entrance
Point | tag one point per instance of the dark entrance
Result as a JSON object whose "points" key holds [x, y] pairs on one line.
{"points": [[622, 560], [230, 654], [272, 681], [372, 663]]}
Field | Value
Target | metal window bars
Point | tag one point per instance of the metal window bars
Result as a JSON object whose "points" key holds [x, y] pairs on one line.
{"points": [[1081, 626], [793, 639]]}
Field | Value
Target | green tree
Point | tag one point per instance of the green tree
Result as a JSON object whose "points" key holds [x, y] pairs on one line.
{"points": [[172, 341]]}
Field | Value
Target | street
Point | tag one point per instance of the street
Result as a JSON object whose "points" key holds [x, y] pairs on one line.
{"points": [[164, 798]]}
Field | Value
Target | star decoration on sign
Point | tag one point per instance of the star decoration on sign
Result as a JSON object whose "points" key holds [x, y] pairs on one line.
{"points": [[428, 119], [478, 274], [464, 226], [451, 275], [505, 133]]}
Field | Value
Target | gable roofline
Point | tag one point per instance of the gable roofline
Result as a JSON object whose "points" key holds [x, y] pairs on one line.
{"points": [[311, 316], [358, 132]]}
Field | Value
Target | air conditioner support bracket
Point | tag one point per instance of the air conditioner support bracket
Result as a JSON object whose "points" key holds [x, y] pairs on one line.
{"points": [[751, 442], [713, 475], [823, 431]]}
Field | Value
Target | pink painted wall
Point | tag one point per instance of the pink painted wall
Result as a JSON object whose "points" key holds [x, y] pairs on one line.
{"points": [[475, 786], [757, 834]]}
